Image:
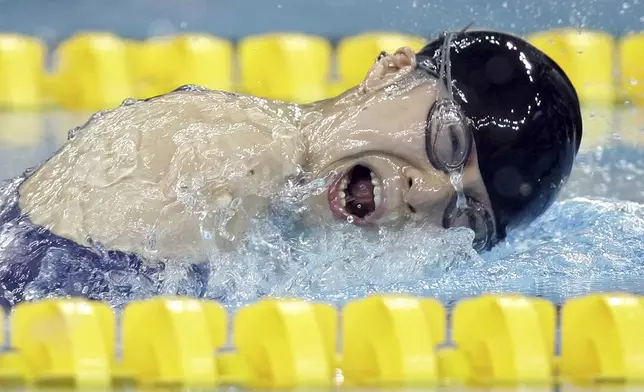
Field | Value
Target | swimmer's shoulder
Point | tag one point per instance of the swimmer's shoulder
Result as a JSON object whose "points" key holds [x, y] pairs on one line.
{"points": [[116, 175], [186, 107]]}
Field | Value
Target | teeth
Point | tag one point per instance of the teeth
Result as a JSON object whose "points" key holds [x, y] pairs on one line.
{"points": [[377, 190], [343, 188]]}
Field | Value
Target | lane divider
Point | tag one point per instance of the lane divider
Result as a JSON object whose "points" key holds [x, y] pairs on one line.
{"points": [[67, 342], [172, 341], [506, 339], [98, 70], [602, 339], [388, 340]]}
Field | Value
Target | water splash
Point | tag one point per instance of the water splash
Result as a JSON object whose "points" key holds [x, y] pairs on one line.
{"points": [[278, 257], [456, 179]]}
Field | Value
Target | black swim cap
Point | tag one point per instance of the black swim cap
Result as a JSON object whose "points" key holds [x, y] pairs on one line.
{"points": [[525, 115]]}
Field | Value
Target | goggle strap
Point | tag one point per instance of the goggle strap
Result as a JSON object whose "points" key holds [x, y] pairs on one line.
{"points": [[446, 65]]}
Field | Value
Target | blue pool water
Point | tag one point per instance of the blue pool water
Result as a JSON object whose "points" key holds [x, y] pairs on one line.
{"points": [[591, 240]]}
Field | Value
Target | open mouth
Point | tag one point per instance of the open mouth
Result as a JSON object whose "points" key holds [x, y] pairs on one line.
{"points": [[357, 196]]}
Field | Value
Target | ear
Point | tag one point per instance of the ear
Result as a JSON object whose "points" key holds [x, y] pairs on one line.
{"points": [[387, 68]]}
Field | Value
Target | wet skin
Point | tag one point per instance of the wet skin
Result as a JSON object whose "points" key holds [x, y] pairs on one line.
{"points": [[158, 166]]}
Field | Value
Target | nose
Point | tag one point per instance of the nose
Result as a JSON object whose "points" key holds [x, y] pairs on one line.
{"points": [[427, 194]]}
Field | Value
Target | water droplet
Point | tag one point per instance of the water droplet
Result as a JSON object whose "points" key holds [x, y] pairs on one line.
{"points": [[303, 239], [73, 132], [599, 151], [184, 25], [642, 19], [505, 4], [191, 88], [279, 6], [633, 81], [626, 6], [32, 170], [456, 178], [350, 218], [414, 4], [128, 102]]}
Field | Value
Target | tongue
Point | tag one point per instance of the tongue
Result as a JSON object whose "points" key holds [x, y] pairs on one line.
{"points": [[361, 191]]}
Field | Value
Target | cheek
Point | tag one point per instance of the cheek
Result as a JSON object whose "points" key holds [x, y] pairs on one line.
{"points": [[429, 198], [428, 194]]}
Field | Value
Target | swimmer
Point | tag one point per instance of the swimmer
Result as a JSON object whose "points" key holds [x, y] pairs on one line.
{"points": [[478, 129]]}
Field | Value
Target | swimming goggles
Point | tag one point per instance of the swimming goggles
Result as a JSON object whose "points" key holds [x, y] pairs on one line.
{"points": [[448, 145]]}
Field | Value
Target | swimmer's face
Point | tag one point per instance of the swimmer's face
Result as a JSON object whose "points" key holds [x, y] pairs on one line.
{"points": [[374, 139]]}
